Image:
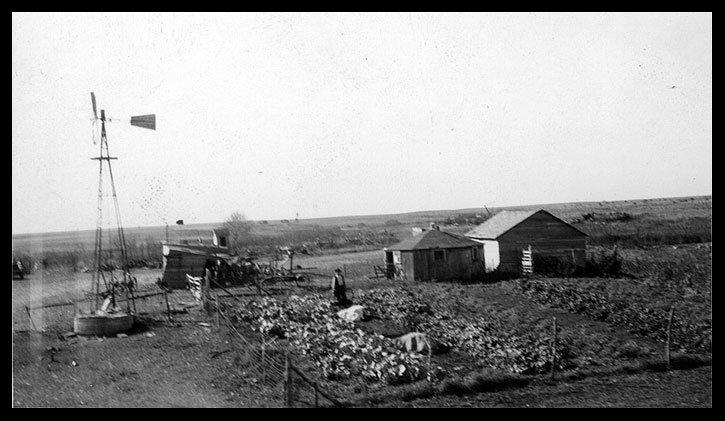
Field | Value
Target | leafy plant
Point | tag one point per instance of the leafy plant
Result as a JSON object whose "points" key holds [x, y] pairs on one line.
{"points": [[335, 346], [496, 341], [638, 314]]}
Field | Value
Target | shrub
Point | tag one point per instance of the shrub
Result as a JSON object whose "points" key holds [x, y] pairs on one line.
{"points": [[603, 264], [632, 349], [552, 266]]}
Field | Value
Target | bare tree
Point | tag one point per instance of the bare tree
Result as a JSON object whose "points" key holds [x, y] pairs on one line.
{"points": [[239, 228]]}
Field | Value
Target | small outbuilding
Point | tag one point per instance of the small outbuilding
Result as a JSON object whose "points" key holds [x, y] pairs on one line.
{"points": [[191, 259], [509, 235], [436, 255]]}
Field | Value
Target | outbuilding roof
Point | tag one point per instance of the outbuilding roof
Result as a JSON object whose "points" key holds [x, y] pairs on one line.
{"points": [[503, 221], [433, 239], [195, 249]]}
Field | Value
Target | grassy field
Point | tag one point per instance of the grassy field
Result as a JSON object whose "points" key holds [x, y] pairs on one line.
{"points": [[651, 222]]}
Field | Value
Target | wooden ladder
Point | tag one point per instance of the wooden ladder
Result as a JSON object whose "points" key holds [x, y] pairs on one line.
{"points": [[527, 262]]}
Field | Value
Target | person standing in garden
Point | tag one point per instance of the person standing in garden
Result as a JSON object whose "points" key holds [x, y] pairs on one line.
{"points": [[338, 287]]}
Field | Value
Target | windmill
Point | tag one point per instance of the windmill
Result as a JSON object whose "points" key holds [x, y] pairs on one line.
{"points": [[112, 285]]}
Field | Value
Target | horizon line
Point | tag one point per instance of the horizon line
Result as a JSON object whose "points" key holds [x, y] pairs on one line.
{"points": [[374, 214]]}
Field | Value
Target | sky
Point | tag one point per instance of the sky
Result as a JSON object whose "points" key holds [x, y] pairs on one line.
{"points": [[278, 114]]}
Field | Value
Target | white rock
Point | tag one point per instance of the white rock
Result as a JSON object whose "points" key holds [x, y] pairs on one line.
{"points": [[352, 313]]}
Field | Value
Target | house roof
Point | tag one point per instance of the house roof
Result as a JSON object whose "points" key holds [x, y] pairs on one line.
{"points": [[433, 239], [503, 221]]}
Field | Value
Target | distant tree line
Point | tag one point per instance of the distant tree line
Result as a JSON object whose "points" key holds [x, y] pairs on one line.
{"points": [[463, 219]]}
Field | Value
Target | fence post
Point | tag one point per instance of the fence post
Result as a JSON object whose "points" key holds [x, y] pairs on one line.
{"points": [[168, 308], [430, 373], [205, 290], [287, 381], [316, 397], [29, 317], [216, 302], [264, 365], [669, 332], [553, 350]]}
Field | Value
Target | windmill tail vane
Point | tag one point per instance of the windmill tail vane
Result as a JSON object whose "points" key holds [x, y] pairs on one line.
{"points": [[147, 121]]}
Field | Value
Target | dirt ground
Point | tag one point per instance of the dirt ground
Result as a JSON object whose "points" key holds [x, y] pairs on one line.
{"points": [[185, 365], [59, 286], [182, 363]]}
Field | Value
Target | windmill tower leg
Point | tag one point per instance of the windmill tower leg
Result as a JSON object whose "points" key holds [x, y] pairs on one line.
{"points": [[127, 281]]}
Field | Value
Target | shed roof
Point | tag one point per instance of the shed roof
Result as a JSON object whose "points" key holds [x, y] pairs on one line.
{"points": [[433, 239], [503, 221], [195, 249]]}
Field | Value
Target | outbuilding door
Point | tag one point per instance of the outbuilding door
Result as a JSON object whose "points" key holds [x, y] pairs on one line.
{"points": [[389, 264], [491, 255]]}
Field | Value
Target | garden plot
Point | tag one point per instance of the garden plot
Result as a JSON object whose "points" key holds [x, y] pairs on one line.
{"points": [[627, 304], [469, 329]]}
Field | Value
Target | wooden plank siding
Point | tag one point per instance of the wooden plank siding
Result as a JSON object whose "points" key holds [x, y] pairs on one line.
{"points": [[407, 264], [547, 235], [420, 265], [177, 265]]}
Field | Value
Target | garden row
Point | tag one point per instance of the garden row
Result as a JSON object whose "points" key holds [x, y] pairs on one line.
{"points": [[641, 313]]}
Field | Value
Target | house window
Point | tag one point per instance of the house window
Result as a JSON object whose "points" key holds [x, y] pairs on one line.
{"points": [[439, 255], [396, 257], [474, 254]]}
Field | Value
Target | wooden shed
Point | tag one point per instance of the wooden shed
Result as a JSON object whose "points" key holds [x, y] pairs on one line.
{"points": [[508, 233], [437, 255], [182, 259]]}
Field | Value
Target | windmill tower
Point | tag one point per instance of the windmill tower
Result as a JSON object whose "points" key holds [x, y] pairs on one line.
{"points": [[107, 285]]}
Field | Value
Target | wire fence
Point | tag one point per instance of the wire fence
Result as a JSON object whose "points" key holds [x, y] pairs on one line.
{"points": [[270, 362]]}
